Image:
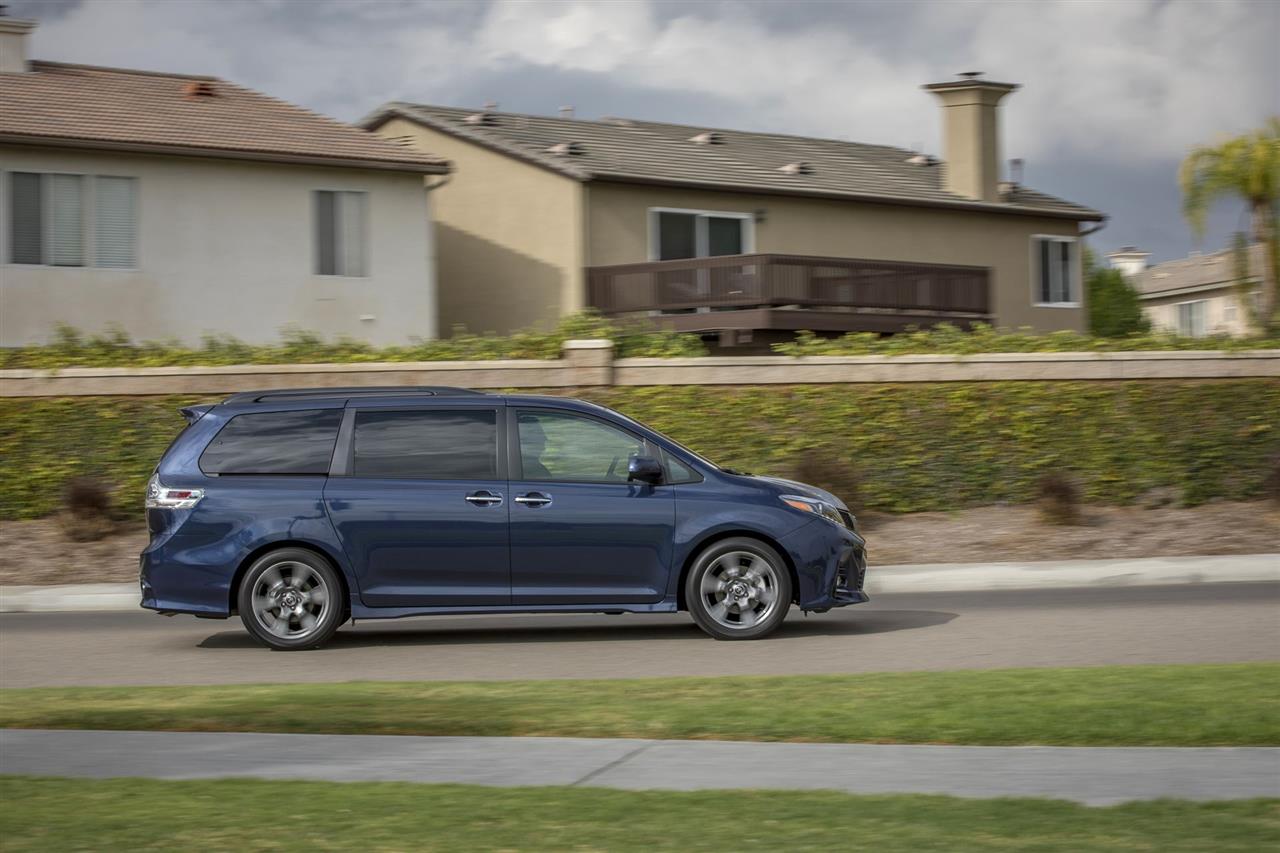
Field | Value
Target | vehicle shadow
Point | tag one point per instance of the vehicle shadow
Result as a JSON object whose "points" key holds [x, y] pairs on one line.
{"points": [[593, 629]]}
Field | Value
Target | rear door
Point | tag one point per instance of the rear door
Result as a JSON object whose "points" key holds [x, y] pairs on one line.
{"points": [[580, 532], [420, 504]]}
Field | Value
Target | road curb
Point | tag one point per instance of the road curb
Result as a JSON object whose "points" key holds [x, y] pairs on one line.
{"points": [[881, 580]]}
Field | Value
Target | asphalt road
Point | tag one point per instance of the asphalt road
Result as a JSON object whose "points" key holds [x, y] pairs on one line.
{"points": [[1091, 775], [1193, 623]]}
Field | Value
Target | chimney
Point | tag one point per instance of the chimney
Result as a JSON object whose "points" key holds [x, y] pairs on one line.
{"points": [[1129, 260], [970, 134], [13, 44]]}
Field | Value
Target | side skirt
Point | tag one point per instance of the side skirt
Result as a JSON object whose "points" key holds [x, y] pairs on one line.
{"points": [[360, 611]]}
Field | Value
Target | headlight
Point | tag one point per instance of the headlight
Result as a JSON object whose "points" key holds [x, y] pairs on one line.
{"points": [[813, 505]]}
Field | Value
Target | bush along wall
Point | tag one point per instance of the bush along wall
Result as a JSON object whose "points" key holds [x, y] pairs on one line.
{"points": [[910, 448]]}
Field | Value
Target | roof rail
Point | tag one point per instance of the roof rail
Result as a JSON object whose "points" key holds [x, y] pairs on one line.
{"points": [[355, 391]]}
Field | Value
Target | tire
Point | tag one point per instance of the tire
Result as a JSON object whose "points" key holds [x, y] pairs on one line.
{"points": [[733, 578], [291, 599]]}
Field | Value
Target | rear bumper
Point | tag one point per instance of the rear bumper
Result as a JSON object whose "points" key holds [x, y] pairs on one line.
{"points": [[172, 579], [831, 565]]}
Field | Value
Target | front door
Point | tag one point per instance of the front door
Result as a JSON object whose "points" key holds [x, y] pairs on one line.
{"points": [[580, 532], [422, 506]]}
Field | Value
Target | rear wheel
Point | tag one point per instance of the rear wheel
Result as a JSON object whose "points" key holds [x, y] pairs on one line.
{"points": [[738, 589], [291, 599]]}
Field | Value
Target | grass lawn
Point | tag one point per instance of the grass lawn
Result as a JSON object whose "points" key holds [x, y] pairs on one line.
{"points": [[237, 814], [1191, 705]]}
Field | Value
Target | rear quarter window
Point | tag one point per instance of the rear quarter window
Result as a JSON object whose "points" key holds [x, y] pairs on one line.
{"points": [[299, 442]]}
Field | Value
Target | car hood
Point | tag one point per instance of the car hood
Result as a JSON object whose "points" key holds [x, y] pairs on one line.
{"points": [[793, 487]]}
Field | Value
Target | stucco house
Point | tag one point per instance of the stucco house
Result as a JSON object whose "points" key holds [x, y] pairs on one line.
{"points": [[744, 236], [174, 206], [1195, 296]]}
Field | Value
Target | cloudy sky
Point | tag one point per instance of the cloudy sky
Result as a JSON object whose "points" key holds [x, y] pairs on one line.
{"points": [[1114, 91]]}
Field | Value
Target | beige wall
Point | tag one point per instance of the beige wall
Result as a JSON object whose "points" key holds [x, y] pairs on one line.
{"points": [[617, 232], [1224, 312], [227, 246], [509, 237]]}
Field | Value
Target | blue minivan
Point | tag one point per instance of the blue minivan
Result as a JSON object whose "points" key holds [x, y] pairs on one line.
{"points": [[302, 509]]}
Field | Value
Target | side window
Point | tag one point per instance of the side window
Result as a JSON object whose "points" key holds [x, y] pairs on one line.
{"points": [[444, 444], [560, 446], [677, 471], [1054, 263], [341, 234], [274, 443]]}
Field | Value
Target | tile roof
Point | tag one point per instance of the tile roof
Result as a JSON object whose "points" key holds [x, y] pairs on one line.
{"points": [[1197, 271], [657, 152], [82, 105]]}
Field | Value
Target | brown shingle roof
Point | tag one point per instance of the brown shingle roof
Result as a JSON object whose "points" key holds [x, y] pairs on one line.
{"points": [[82, 105], [1217, 269], [661, 153]]}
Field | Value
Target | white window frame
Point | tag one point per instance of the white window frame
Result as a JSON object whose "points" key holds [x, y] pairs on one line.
{"points": [[701, 241], [365, 230], [1204, 319], [1073, 285], [88, 232]]}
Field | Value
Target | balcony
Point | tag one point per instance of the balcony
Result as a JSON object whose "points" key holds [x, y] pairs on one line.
{"points": [[792, 292]]}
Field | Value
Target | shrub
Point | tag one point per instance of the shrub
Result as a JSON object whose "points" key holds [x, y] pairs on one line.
{"points": [[1058, 498], [826, 471], [87, 512]]}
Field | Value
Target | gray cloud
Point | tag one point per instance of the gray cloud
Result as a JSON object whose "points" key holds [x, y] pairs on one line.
{"points": [[1114, 92]]}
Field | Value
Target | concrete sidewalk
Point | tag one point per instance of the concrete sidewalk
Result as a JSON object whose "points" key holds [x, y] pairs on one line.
{"points": [[1093, 775], [942, 577]]}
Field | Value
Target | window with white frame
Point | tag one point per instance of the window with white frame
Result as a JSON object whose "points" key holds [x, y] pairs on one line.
{"points": [[1191, 318], [1053, 266], [54, 218], [678, 234], [341, 233]]}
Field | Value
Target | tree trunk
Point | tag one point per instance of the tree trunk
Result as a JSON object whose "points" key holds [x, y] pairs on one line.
{"points": [[1265, 233]]}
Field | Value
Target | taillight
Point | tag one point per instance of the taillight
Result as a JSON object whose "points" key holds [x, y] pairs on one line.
{"points": [[160, 496]]}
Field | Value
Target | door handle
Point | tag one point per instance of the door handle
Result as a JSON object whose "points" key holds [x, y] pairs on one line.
{"points": [[534, 499], [484, 498]]}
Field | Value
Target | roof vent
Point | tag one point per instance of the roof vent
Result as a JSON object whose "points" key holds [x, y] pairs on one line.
{"points": [[485, 118], [567, 149], [199, 89], [922, 160], [797, 168], [709, 137]]}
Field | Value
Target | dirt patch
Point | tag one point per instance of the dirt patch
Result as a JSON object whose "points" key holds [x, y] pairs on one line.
{"points": [[1018, 534], [38, 552]]}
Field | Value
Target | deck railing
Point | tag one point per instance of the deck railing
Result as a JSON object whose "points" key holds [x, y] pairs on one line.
{"points": [[782, 281]]}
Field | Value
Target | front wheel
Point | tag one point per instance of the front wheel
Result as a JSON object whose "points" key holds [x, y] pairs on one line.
{"points": [[291, 599], [738, 589]]}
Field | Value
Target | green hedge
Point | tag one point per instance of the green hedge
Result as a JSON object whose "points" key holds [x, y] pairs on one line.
{"points": [[71, 348], [912, 447], [947, 339]]}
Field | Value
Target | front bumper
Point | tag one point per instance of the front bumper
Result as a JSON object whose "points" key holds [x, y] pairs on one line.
{"points": [[831, 565]]}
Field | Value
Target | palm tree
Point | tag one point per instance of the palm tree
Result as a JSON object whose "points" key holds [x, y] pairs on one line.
{"points": [[1246, 167]]}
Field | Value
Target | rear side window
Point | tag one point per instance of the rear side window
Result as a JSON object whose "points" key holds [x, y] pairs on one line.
{"points": [[445, 444], [274, 443]]}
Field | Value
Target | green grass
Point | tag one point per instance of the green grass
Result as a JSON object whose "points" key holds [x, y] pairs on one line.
{"points": [[1194, 705], [70, 814]]}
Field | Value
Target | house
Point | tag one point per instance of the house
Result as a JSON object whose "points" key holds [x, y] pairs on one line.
{"points": [[175, 206], [746, 236], [1194, 296]]}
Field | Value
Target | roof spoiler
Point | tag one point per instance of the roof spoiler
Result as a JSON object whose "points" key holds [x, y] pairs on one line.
{"points": [[194, 413]]}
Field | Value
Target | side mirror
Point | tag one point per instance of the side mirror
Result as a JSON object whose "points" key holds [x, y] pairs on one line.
{"points": [[646, 469]]}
